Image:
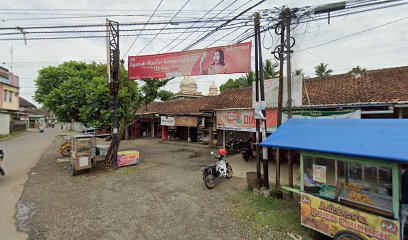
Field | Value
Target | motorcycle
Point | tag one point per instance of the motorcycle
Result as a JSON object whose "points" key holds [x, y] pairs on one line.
{"points": [[233, 145], [247, 149], [215, 172], [2, 172]]}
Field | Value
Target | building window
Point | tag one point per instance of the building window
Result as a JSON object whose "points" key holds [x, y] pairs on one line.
{"points": [[10, 96], [5, 95]]}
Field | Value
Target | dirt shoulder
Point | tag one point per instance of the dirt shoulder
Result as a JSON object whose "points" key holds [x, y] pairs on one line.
{"points": [[163, 197]]}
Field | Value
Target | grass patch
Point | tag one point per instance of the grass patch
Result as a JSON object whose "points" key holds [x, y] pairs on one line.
{"points": [[129, 170], [268, 217], [13, 135]]}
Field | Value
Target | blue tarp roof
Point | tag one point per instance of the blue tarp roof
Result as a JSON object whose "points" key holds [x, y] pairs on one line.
{"points": [[385, 139]]}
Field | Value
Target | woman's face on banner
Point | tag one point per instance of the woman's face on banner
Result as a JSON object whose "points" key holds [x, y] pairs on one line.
{"points": [[216, 57]]}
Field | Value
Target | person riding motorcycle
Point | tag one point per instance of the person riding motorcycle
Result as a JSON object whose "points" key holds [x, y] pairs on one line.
{"points": [[2, 173]]}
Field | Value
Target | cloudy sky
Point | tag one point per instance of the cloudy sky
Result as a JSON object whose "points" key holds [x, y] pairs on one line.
{"points": [[372, 40]]}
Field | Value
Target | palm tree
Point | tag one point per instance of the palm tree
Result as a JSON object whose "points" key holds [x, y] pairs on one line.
{"points": [[322, 71], [298, 72], [249, 78], [357, 69], [269, 70]]}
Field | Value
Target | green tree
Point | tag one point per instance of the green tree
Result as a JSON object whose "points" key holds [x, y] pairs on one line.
{"points": [[269, 70], [165, 95], [298, 72], [79, 91], [357, 69], [322, 71]]}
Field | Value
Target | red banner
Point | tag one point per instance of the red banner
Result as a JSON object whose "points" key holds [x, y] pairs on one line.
{"points": [[209, 61]]}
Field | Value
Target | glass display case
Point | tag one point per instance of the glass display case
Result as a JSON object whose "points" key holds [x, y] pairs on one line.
{"points": [[367, 186]]}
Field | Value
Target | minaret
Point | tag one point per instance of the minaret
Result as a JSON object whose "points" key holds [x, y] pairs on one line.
{"points": [[213, 90]]}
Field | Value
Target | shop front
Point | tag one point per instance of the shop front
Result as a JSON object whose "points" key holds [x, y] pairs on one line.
{"points": [[241, 123], [350, 173]]}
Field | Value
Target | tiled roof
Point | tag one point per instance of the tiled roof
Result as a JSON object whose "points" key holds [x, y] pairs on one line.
{"points": [[25, 104], [234, 98], [376, 86]]}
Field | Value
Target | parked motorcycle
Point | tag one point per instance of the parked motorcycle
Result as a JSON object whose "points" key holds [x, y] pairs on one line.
{"points": [[215, 172], [247, 149], [2, 172], [65, 148], [233, 145]]}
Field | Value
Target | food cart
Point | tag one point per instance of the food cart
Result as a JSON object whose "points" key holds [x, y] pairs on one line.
{"points": [[85, 153], [350, 175]]}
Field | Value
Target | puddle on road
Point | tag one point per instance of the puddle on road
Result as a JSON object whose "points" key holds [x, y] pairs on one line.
{"points": [[25, 211]]}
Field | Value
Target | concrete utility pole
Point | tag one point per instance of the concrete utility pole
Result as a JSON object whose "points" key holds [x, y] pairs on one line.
{"points": [[280, 95], [288, 19], [258, 133]]}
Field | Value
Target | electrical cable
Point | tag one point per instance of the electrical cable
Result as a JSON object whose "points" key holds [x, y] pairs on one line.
{"points": [[186, 30], [142, 29], [223, 25], [353, 34]]}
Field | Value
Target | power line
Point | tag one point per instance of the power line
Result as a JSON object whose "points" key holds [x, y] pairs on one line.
{"points": [[122, 30], [353, 34], [122, 24], [142, 29], [223, 25], [186, 30], [163, 27], [219, 39]]}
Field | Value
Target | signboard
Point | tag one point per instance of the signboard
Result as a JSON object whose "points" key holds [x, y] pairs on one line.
{"points": [[186, 121], [126, 158], [337, 114], [330, 218], [272, 89], [209, 61], [167, 121], [244, 120], [319, 173]]}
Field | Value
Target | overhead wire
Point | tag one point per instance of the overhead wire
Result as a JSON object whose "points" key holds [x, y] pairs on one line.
{"points": [[354, 34], [223, 25], [163, 27], [224, 28], [191, 33], [142, 29]]}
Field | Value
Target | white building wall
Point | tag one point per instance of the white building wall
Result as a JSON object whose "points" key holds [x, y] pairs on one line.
{"points": [[4, 124]]}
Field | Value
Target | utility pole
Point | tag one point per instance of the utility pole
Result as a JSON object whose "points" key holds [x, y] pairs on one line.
{"points": [[258, 133], [262, 98], [280, 93], [288, 19], [112, 32]]}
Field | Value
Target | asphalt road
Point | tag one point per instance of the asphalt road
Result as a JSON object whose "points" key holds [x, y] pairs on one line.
{"points": [[21, 154]]}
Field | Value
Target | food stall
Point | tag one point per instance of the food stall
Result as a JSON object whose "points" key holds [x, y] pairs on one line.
{"points": [[350, 175], [85, 153]]}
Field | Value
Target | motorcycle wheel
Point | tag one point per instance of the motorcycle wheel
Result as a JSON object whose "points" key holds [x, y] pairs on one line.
{"points": [[229, 172], [347, 235], [245, 155], [65, 151], [209, 180]]}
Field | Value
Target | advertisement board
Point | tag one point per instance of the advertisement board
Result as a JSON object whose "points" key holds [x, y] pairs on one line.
{"points": [[312, 114], [244, 120], [331, 218], [218, 60], [272, 91], [167, 121], [126, 158], [186, 121]]}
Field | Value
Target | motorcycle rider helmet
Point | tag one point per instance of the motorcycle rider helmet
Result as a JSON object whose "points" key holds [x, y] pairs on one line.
{"points": [[222, 152]]}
